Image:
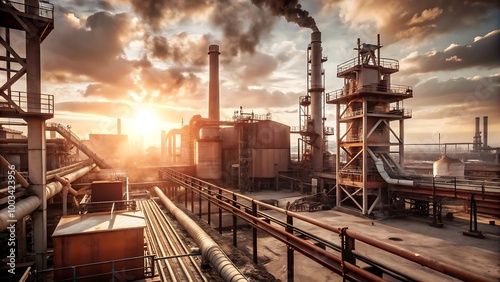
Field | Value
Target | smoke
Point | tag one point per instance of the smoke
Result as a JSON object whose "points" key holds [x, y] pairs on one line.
{"points": [[291, 10]]}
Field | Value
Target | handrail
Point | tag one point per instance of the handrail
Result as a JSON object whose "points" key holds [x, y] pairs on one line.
{"points": [[375, 88], [384, 62], [233, 204], [32, 102], [44, 10], [148, 268]]}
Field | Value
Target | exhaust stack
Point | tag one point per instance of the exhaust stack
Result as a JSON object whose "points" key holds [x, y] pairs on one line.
{"points": [[213, 84], [316, 90], [485, 132], [476, 143]]}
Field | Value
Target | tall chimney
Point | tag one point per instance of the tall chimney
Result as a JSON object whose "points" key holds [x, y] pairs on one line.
{"points": [[213, 85], [485, 132], [316, 90], [477, 137], [119, 126]]}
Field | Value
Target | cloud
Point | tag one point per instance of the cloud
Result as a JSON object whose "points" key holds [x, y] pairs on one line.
{"points": [[411, 20], [92, 47], [457, 97], [482, 53], [181, 48], [257, 98]]}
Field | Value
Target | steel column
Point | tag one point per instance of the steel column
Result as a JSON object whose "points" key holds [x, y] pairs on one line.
{"points": [[289, 251]]}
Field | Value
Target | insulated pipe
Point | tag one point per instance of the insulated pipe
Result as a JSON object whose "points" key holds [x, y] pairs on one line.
{"points": [[30, 204], [381, 170], [7, 167], [209, 249]]}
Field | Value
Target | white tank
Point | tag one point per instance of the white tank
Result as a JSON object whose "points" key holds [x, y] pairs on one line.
{"points": [[448, 167]]}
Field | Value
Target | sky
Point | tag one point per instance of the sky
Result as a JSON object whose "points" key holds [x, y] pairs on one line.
{"points": [[146, 62]]}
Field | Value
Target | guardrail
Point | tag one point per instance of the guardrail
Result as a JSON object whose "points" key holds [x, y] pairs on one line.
{"points": [[384, 62], [45, 9], [342, 261], [116, 275], [32, 102], [373, 88]]}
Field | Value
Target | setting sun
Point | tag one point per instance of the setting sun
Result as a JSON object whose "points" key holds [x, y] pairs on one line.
{"points": [[145, 123]]}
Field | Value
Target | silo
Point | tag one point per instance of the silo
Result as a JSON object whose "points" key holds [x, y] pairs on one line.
{"points": [[448, 167], [208, 154]]}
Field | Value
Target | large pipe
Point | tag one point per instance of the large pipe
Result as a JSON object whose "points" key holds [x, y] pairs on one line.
{"points": [[209, 249], [213, 84], [485, 132], [11, 169], [26, 206], [316, 91], [381, 170]]}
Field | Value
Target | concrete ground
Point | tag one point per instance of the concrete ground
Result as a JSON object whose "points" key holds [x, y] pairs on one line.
{"points": [[447, 244]]}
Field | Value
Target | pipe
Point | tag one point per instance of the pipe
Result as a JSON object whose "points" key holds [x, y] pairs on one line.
{"points": [[30, 204], [209, 249], [381, 170], [10, 168]]}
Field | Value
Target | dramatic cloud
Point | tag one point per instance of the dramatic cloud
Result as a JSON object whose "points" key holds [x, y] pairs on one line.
{"points": [[242, 24], [181, 49], [93, 47], [482, 53], [250, 98], [412, 20], [155, 12]]}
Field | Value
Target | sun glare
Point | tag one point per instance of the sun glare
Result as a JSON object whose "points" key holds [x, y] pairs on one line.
{"points": [[145, 123]]}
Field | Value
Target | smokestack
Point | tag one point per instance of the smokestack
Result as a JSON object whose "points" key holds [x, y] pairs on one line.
{"points": [[119, 126], [485, 132], [316, 91], [213, 85], [477, 137]]}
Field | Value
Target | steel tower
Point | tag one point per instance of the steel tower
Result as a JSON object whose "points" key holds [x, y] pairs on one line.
{"points": [[366, 107], [22, 69]]}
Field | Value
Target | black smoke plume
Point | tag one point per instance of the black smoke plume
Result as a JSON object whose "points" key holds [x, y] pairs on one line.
{"points": [[291, 10]]}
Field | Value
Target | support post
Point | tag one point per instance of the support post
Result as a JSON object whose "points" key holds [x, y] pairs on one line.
{"points": [[254, 233], [220, 211], [473, 232], [289, 251], [235, 222]]}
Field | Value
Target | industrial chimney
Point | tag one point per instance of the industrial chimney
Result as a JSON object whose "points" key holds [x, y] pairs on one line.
{"points": [[485, 132], [213, 84], [119, 126], [477, 137], [316, 90]]}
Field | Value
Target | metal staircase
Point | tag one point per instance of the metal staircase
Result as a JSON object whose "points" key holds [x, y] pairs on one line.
{"points": [[73, 138]]}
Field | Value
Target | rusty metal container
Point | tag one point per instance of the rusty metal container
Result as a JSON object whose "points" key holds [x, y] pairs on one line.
{"points": [[103, 191], [98, 237]]}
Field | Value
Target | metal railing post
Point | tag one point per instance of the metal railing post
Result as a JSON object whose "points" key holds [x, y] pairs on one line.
{"points": [[289, 251], [235, 223], [254, 233], [347, 245], [220, 211]]}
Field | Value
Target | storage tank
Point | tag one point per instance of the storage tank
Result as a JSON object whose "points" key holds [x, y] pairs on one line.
{"points": [[448, 167], [208, 154]]}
